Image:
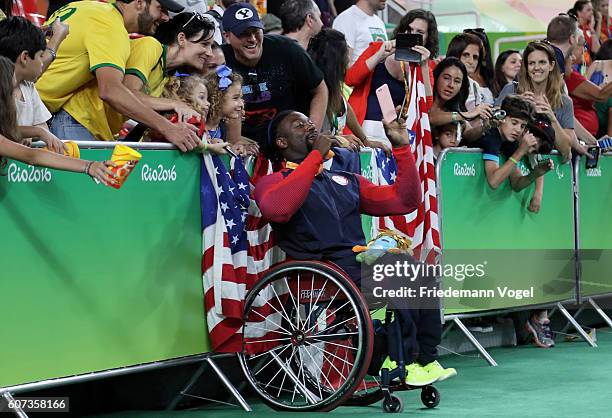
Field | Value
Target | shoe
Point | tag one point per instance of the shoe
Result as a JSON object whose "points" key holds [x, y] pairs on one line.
{"points": [[418, 376], [435, 369], [541, 332], [389, 364]]}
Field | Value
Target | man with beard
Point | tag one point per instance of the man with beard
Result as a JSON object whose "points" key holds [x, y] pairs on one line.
{"points": [[278, 74], [360, 26], [98, 48]]}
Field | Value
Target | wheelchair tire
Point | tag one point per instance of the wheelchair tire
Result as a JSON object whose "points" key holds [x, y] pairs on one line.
{"points": [[393, 405], [430, 396], [310, 352]]}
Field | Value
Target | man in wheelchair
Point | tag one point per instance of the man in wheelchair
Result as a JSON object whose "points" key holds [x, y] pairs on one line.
{"points": [[315, 214]]}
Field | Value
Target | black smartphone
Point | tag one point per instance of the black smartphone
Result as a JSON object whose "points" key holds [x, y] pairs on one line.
{"points": [[403, 47], [592, 158]]}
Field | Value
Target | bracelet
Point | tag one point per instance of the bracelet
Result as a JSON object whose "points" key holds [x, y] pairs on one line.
{"points": [[87, 167], [205, 142], [52, 53], [513, 160], [454, 116]]}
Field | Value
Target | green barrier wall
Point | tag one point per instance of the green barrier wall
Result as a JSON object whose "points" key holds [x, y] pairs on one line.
{"points": [[94, 278], [595, 233], [520, 249]]}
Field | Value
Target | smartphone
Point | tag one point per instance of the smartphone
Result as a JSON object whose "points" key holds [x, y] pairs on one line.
{"points": [[592, 158], [403, 47], [386, 103]]}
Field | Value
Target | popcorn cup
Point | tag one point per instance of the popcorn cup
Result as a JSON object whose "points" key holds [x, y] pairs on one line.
{"points": [[73, 149], [126, 159]]}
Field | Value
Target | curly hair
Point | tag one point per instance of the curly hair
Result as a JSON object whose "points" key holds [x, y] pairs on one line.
{"points": [[433, 42], [181, 88], [554, 83], [215, 94]]}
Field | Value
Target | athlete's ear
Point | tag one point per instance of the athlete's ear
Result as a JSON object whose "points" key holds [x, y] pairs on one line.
{"points": [[282, 143]]}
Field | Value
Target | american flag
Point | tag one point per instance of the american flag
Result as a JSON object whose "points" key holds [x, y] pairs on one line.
{"points": [[422, 224], [238, 248]]}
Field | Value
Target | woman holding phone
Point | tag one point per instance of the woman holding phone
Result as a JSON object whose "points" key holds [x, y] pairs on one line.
{"points": [[378, 66]]}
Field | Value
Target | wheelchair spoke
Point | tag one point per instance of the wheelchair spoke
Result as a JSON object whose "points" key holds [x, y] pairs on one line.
{"points": [[333, 355], [268, 363], [320, 373], [331, 363], [268, 341], [322, 336], [267, 319], [336, 344], [332, 313], [317, 300], [264, 353], [334, 326], [298, 323], [286, 316], [268, 330]]}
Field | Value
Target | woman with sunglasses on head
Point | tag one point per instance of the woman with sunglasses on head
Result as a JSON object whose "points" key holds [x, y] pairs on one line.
{"points": [[450, 92], [377, 66], [541, 83], [469, 49], [507, 68]]}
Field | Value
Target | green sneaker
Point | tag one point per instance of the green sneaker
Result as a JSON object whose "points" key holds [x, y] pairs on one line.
{"points": [[436, 370], [389, 364], [418, 376]]}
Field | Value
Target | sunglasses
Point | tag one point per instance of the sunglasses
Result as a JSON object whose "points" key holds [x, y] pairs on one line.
{"points": [[195, 15]]}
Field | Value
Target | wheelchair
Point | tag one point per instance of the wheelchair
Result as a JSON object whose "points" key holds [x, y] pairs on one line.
{"points": [[308, 343]]}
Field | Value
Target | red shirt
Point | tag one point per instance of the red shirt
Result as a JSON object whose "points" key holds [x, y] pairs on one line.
{"points": [[583, 109]]}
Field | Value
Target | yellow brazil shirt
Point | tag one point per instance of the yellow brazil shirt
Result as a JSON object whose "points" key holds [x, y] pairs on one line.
{"points": [[97, 38], [148, 62]]}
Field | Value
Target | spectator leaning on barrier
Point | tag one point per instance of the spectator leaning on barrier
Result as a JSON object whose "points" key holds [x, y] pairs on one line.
{"points": [[541, 83], [361, 26], [514, 139], [23, 43], [97, 49], [278, 74], [184, 42], [9, 136]]}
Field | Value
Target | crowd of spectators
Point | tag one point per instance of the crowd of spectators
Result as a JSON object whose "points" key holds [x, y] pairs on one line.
{"points": [[186, 73]]}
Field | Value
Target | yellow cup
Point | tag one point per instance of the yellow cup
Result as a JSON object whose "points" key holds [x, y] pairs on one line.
{"points": [[73, 149], [126, 159]]}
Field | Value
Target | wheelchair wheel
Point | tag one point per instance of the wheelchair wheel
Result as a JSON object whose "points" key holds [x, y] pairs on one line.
{"points": [[307, 337], [430, 396], [393, 405], [367, 392]]}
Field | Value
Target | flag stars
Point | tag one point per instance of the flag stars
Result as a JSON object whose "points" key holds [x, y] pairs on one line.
{"points": [[224, 206], [242, 186], [234, 239], [230, 224], [393, 176]]}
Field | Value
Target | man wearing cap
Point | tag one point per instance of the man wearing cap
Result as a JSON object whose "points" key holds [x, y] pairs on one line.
{"points": [[98, 48], [278, 74]]}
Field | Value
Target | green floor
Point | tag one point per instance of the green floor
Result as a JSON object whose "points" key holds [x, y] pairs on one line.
{"points": [[570, 380]]}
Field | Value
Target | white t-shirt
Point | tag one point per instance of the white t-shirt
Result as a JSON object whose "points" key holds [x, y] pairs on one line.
{"points": [[359, 29], [31, 111]]}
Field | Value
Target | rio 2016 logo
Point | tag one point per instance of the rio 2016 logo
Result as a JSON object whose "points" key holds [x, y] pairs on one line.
{"points": [[158, 174], [31, 174], [464, 170]]}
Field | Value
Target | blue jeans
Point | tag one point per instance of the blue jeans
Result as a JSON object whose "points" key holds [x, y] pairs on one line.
{"points": [[66, 127]]}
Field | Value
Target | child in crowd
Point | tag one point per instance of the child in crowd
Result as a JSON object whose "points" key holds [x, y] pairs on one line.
{"points": [[192, 91], [225, 96], [9, 135], [444, 136], [24, 44], [515, 141]]}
